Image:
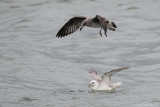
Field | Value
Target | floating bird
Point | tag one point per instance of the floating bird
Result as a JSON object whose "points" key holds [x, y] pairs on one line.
{"points": [[103, 83], [79, 22]]}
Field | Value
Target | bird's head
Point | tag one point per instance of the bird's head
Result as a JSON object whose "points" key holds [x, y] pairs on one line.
{"points": [[93, 84], [112, 26]]}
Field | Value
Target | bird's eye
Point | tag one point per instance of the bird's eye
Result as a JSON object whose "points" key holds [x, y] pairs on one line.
{"points": [[92, 82], [107, 21]]}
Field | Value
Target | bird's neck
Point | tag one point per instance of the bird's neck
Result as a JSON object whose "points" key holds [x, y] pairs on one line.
{"points": [[95, 86]]}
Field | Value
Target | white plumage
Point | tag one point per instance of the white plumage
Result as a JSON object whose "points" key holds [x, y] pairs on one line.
{"points": [[103, 83]]}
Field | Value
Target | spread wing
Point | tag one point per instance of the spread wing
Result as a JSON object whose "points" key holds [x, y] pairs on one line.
{"points": [[102, 21], [71, 26], [107, 76], [94, 75]]}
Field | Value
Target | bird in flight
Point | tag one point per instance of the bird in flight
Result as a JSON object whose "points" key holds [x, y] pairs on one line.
{"points": [[80, 21], [103, 83]]}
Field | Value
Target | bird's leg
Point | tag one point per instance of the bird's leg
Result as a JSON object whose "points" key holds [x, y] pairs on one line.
{"points": [[81, 28], [100, 32], [82, 25], [105, 33]]}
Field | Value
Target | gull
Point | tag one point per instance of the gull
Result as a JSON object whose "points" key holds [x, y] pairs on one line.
{"points": [[80, 21], [103, 83]]}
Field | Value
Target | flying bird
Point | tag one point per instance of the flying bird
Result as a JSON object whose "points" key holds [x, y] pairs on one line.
{"points": [[103, 83], [80, 21]]}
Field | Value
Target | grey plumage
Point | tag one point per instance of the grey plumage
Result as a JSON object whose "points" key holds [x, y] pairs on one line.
{"points": [[103, 83]]}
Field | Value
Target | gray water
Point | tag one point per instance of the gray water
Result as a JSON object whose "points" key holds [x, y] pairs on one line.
{"points": [[39, 70]]}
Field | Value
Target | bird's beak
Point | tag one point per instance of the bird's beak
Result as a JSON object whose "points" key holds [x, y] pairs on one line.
{"points": [[89, 85], [114, 25]]}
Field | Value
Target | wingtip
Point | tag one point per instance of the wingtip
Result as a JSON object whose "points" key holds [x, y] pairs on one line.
{"points": [[60, 36], [91, 71], [57, 36], [125, 68]]}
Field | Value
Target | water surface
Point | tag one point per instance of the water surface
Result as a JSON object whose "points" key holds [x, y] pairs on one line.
{"points": [[39, 70]]}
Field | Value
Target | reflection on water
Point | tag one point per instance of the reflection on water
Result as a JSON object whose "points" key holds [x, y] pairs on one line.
{"points": [[38, 69]]}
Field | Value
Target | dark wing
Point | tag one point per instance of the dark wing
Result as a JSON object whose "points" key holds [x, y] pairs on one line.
{"points": [[71, 26], [107, 76], [94, 75], [102, 21]]}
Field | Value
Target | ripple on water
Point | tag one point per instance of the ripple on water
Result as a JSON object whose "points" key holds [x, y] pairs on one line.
{"points": [[27, 99], [38, 69], [132, 8]]}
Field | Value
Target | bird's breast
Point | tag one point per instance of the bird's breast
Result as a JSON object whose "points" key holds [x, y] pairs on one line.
{"points": [[94, 25]]}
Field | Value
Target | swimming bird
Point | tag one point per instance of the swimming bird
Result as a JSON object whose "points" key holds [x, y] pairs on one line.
{"points": [[103, 83], [80, 21]]}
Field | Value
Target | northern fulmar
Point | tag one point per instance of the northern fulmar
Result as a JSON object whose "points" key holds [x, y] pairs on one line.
{"points": [[103, 83]]}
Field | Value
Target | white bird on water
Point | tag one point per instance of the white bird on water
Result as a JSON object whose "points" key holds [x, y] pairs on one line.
{"points": [[80, 21], [103, 83]]}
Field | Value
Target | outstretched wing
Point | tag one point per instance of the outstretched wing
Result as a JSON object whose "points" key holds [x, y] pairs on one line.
{"points": [[94, 75], [107, 76], [71, 26]]}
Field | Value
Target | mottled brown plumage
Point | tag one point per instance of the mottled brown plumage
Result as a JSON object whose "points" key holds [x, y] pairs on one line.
{"points": [[79, 22], [71, 26]]}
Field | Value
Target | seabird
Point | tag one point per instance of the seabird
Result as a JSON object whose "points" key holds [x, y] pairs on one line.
{"points": [[103, 83], [80, 21]]}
